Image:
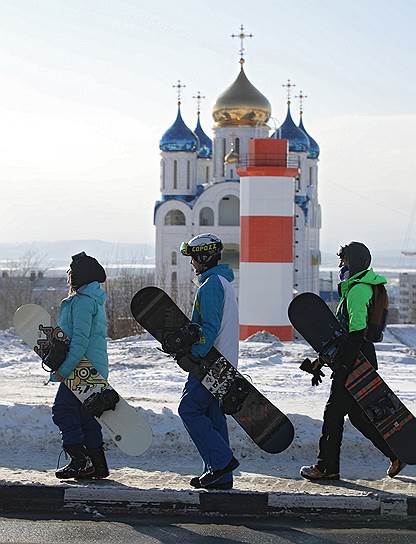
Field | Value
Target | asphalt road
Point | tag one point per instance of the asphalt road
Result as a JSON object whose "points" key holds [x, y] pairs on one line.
{"points": [[161, 531]]}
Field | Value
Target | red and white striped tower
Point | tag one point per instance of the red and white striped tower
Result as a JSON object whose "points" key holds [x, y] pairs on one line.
{"points": [[267, 196]]}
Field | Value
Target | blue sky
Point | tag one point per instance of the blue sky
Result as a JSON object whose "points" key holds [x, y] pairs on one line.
{"points": [[86, 92]]}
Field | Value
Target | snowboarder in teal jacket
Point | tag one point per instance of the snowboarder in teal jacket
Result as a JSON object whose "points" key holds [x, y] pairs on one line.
{"points": [[83, 319], [216, 311]]}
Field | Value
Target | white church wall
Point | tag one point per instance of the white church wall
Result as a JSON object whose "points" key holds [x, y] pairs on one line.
{"points": [[204, 171], [178, 173], [168, 240], [224, 137]]}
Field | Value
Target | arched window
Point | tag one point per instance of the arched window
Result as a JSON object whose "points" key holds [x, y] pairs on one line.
{"points": [[229, 211], [237, 145], [175, 174], [206, 217], [207, 174], [224, 152], [174, 258], [175, 218], [188, 174]]}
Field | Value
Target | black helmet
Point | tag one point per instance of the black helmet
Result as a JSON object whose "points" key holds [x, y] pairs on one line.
{"points": [[358, 255], [204, 248], [85, 269]]}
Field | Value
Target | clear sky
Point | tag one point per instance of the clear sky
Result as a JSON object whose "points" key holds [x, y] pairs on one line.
{"points": [[86, 93]]}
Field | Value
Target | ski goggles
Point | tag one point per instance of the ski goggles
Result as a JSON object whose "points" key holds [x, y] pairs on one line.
{"points": [[207, 249], [184, 249]]}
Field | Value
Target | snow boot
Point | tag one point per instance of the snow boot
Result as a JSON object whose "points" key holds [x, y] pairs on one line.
{"points": [[80, 465], [99, 462], [211, 476], [395, 467], [216, 485], [314, 472]]}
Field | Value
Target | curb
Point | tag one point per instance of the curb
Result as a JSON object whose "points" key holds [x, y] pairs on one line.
{"points": [[104, 500]]}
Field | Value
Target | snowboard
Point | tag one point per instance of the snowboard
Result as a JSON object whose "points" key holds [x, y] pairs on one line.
{"points": [[313, 319], [127, 428], [266, 425]]}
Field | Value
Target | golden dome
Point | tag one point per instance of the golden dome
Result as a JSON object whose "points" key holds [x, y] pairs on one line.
{"points": [[241, 105]]}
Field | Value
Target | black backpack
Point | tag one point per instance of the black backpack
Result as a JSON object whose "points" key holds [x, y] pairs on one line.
{"points": [[377, 314]]}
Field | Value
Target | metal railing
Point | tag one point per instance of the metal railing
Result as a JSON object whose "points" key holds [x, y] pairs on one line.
{"points": [[269, 159]]}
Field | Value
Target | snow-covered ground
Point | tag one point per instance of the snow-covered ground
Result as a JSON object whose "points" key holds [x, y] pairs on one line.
{"points": [[151, 381]]}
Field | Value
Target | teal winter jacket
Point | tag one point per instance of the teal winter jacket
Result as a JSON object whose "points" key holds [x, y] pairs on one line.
{"points": [[83, 319], [216, 311]]}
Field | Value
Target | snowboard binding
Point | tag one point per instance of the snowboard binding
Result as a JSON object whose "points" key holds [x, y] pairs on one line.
{"points": [[332, 349], [98, 403], [384, 407], [233, 400], [180, 341], [53, 349]]}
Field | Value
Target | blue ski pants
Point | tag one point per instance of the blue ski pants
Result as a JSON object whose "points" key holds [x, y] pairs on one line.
{"points": [[206, 424], [76, 426]]}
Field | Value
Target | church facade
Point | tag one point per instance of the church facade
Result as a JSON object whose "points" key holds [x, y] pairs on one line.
{"points": [[200, 185]]}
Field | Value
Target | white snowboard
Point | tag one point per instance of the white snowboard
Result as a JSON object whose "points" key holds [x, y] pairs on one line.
{"points": [[126, 426]]}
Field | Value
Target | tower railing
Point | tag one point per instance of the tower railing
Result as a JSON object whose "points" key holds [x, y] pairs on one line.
{"points": [[269, 159]]}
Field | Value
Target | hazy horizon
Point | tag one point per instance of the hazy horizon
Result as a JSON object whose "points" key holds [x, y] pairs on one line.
{"points": [[86, 93]]}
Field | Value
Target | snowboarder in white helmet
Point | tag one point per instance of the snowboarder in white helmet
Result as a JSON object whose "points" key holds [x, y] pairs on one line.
{"points": [[204, 250], [216, 312]]}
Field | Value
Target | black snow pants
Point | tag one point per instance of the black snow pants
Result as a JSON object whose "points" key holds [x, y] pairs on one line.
{"points": [[340, 404]]}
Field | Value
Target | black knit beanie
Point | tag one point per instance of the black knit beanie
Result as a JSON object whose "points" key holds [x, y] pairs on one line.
{"points": [[85, 269]]}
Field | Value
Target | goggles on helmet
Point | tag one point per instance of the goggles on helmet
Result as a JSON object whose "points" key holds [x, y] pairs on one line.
{"points": [[211, 248]]}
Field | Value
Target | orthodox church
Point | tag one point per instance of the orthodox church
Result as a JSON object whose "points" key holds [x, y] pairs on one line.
{"points": [[200, 185]]}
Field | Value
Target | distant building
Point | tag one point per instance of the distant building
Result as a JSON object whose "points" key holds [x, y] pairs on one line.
{"points": [[407, 297], [328, 292], [33, 287]]}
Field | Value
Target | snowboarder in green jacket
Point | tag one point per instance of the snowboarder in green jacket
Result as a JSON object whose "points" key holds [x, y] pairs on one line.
{"points": [[356, 294]]}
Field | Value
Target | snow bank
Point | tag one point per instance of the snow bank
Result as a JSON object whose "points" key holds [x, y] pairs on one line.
{"points": [[151, 381], [406, 334], [265, 337]]}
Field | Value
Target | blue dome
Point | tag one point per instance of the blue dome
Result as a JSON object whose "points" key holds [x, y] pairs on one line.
{"points": [[205, 143], [179, 137], [298, 141], [313, 146]]}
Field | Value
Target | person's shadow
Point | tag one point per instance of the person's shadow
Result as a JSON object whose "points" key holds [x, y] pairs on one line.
{"points": [[231, 531]]}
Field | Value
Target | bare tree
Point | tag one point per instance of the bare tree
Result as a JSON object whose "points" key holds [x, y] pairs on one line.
{"points": [[20, 284], [120, 291]]}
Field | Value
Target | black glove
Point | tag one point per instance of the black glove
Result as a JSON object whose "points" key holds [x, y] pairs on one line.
{"points": [[314, 368], [188, 362], [317, 377]]}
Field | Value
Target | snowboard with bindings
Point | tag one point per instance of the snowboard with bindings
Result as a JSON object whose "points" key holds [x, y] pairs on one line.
{"points": [[314, 320], [266, 425], [127, 428]]}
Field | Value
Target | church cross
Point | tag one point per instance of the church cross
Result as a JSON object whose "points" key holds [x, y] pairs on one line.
{"points": [[301, 97], [179, 86], [198, 99], [289, 85], [242, 35]]}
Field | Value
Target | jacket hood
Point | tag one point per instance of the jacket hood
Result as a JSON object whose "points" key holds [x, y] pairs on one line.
{"points": [[369, 277], [93, 290], [220, 269], [359, 256]]}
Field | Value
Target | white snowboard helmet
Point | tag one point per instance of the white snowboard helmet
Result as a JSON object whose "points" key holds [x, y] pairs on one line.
{"points": [[205, 249]]}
